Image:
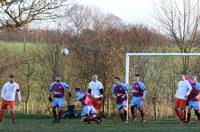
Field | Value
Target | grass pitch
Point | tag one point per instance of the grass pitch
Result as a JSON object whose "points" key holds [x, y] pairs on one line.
{"points": [[75, 125]]}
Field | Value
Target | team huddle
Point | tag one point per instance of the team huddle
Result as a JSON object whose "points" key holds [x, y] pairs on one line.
{"points": [[92, 100]]}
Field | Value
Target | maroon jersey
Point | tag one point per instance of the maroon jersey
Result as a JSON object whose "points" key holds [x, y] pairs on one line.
{"points": [[58, 90], [195, 92], [121, 93], [137, 89]]}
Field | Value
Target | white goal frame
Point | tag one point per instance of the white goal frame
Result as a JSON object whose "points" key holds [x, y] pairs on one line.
{"points": [[128, 55], [127, 61]]}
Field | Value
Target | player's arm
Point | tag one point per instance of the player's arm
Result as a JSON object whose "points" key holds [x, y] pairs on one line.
{"points": [[101, 90], [66, 86], [50, 94], [18, 94], [3, 91], [113, 92], [89, 89], [142, 86], [189, 89]]}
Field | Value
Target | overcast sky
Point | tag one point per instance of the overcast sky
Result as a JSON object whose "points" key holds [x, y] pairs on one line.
{"points": [[130, 11]]}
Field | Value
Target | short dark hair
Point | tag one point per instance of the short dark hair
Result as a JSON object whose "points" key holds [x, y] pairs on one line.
{"points": [[137, 75], [11, 76], [117, 78], [183, 73], [77, 89]]}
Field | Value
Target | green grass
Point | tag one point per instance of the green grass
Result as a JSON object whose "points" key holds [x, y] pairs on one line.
{"points": [[75, 125]]}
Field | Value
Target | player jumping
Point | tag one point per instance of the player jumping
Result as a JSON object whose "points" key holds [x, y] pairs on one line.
{"points": [[88, 111], [138, 93], [57, 88], [120, 91], [8, 93], [183, 91]]}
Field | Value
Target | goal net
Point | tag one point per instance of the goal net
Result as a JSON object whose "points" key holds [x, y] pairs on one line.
{"points": [[159, 72]]}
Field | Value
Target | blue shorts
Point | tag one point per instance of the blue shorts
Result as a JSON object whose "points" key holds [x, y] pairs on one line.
{"points": [[88, 110], [137, 102], [123, 105], [58, 102], [194, 105]]}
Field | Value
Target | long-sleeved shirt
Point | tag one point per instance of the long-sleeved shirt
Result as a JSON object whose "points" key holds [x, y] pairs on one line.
{"points": [[184, 89], [9, 91]]}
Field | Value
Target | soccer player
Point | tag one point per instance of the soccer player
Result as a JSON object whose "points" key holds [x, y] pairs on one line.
{"points": [[88, 111], [183, 91], [138, 93], [57, 88], [8, 93], [95, 88], [193, 100], [120, 91]]}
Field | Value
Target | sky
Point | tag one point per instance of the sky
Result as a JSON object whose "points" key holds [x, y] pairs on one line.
{"points": [[130, 11]]}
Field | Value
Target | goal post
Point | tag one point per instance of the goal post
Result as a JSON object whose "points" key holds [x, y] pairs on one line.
{"points": [[128, 55], [127, 62]]}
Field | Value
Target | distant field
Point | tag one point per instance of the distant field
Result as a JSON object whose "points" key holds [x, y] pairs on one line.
{"points": [[75, 125]]}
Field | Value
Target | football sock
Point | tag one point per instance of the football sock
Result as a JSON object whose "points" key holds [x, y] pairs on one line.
{"points": [[125, 115], [1, 116], [197, 114], [188, 116], [12, 117], [54, 114], [122, 116], [142, 114], [133, 112]]}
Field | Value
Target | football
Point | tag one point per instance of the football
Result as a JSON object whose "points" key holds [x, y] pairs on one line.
{"points": [[65, 51]]}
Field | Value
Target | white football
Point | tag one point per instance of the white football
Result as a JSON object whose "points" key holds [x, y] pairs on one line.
{"points": [[65, 51]]}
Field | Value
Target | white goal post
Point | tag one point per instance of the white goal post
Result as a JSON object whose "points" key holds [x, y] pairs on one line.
{"points": [[150, 54], [127, 61]]}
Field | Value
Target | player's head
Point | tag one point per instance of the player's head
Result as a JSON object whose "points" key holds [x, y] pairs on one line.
{"points": [[94, 77], [116, 80], [77, 89], [194, 78], [58, 78], [183, 76], [137, 77], [11, 78]]}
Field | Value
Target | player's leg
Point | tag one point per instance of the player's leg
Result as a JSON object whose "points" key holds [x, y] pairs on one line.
{"points": [[93, 115], [98, 105], [121, 111], [11, 110], [139, 105], [188, 116], [197, 110], [190, 107], [176, 105], [54, 109], [182, 110], [60, 109], [133, 105], [4, 106], [85, 115]]}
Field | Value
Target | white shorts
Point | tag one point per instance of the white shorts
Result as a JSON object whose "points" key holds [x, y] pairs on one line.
{"points": [[88, 110]]}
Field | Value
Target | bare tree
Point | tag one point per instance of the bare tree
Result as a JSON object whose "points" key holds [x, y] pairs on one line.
{"points": [[181, 23], [18, 13]]}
